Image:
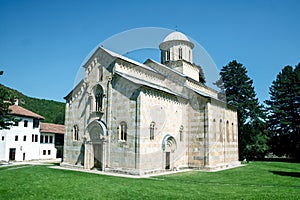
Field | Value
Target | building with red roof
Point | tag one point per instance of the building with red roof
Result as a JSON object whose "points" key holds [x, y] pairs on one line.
{"points": [[29, 138]]}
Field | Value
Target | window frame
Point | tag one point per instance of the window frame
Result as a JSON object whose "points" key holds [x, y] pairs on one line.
{"points": [[123, 131], [36, 138], [98, 98], [75, 132], [181, 133], [180, 53], [25, 123], [36, 123], [152, 128], [168, 57]]}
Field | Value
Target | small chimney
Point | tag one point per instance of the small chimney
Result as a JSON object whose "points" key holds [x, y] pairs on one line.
{"points": [[16, 102]]}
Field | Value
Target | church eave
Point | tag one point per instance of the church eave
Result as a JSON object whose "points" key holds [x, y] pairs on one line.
{"points": [[74, 89], [163, 44]]}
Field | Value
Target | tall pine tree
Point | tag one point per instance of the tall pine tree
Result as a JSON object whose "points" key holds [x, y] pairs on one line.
{"points": [[6, 120], [284, 113], [237, 89]]}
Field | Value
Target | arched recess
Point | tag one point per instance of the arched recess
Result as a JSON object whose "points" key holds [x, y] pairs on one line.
{"points": [[169, 146], [95, 150], [98, 98]]}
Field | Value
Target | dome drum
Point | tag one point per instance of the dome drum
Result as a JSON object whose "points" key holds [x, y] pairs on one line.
{"points": [[176, 46]]}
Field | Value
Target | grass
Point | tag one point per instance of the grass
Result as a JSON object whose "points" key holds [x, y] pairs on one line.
{"points": [[257, 180]]}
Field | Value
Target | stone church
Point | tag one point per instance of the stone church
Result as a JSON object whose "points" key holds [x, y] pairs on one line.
{"points": [[140, 118]]}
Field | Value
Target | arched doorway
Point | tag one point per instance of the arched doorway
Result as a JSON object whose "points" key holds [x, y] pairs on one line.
{"points": [[168, 146], [97, 131], [97, 146]]}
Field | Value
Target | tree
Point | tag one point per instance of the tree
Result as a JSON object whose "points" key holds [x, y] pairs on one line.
{"points": [[6, 120], [53, 111], [237, 89], [201, 74], [284, 112]]}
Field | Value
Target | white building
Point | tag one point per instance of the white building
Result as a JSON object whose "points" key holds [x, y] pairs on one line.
{"points": [[51, 140], [24, 141]]}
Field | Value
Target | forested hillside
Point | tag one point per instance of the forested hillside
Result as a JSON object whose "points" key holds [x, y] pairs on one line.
{"points": [[53, 111]]}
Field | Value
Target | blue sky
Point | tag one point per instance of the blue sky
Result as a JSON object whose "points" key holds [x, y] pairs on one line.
{"points": [[43, 43]]}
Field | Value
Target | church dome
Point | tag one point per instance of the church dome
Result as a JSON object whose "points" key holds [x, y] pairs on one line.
{"points": [[176, 36], [176, 47]]}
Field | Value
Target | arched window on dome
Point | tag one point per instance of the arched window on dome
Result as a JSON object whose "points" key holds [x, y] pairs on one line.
{"points": [[180, 53], [168, 55], [163, 56]]}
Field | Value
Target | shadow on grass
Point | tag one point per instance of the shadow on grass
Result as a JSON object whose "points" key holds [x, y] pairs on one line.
{"points": [[291, 174], [287, 160], [55, 164]]}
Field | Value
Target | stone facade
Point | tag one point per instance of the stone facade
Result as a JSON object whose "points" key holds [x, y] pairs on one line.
{"points": [[136, 118]]}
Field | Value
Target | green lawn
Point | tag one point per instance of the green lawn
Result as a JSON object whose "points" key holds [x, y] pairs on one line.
{"points": [[257, 180]]}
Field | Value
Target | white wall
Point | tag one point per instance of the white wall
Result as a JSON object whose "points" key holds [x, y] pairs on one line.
{"points": [[27, 147], [47, 148]]}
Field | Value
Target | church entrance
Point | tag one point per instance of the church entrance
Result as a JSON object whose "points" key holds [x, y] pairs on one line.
{"points": [[98, 156], [168, 146], [96, 147]]}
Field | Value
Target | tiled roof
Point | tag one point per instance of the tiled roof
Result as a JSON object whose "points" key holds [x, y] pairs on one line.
{"points": [[18, 110], [52, 128]]}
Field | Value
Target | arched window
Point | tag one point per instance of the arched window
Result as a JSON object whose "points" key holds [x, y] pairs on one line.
{"points": [[221, 132], [123, 131], [75, 133], [152, 126], [227, 131], [168, 55], [232, 130], [100, 73], [180, 53], [181, 133], [98, 92], [213, 130]]}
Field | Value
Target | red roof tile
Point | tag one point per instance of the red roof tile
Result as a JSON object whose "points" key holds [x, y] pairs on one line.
{"points": [[52, 128], [18, 110]]}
